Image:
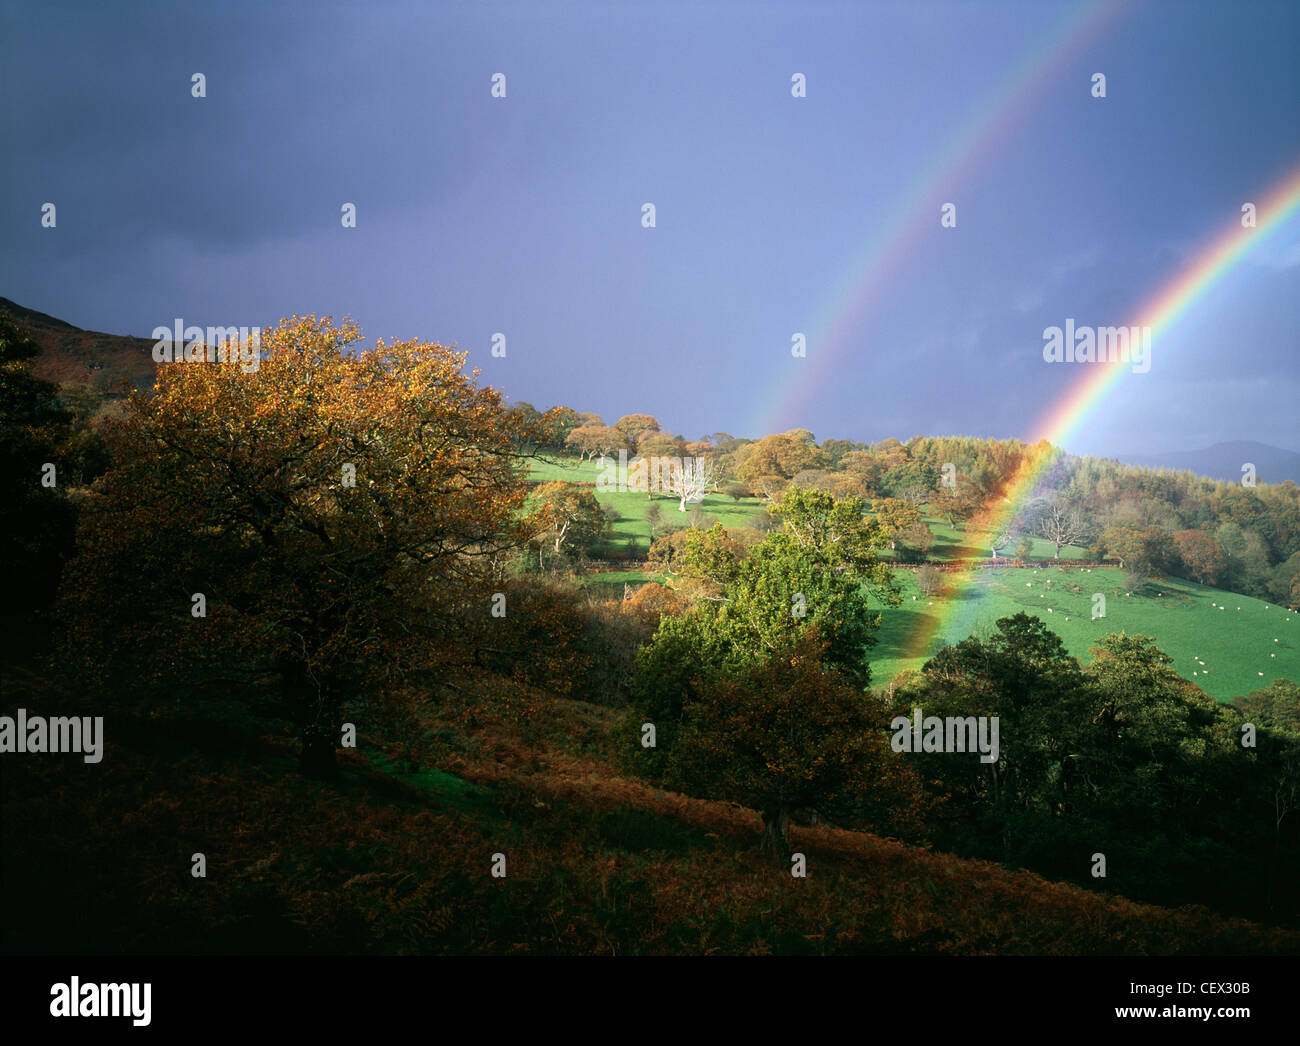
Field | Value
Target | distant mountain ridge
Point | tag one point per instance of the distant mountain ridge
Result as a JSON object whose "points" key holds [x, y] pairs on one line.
{"points": [[1224, 461]]}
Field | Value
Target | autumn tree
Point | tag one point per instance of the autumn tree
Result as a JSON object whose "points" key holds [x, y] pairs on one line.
{"points": [[323, 524], [896, 517], [556, 424], [929, 579], [782, 456], [915, 494], [570, 514], [1202, 556], [659, 445], [1141, 552], [667, 549], [635, 427], [595, 441], [958, 502], [917, 539], [654, 519], [866, 467]]}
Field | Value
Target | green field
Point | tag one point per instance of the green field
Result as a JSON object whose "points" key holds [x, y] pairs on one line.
{"points": [[631, 505], [951, 544], [1235, 645]]}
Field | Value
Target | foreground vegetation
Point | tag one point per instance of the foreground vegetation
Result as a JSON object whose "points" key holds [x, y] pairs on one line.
{"points": [[387, 862], [354, 702]]}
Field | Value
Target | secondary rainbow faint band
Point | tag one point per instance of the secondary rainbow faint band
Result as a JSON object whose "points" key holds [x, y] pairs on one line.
{"points": [[1161, 313], [916, 214]]}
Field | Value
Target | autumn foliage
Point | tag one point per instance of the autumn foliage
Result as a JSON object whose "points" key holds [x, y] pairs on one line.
{"points": [[324, 523]]}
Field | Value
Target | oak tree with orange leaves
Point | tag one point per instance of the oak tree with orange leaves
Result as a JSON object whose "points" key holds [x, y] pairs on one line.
{"points": [[326, 525]]}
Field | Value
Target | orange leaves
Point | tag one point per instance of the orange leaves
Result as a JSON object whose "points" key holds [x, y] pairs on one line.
{"points": [[335, 506]]}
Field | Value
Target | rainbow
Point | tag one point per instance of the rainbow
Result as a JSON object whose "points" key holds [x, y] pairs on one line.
{"points": [[916, 215], [1161, 314]]}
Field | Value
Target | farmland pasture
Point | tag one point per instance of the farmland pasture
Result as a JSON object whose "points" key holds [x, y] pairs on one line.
{"points": [[1222, 651], [1227, 652], [631, 505]]}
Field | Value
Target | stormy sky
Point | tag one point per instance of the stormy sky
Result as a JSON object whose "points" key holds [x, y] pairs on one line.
{"points": [[774, 214]]}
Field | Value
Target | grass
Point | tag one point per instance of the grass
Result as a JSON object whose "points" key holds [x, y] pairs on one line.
{"points": [[1235, 645], [631, 505], [447, 789]]}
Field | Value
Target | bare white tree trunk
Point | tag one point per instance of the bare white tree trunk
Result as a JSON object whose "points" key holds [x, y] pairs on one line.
{"points": [[691, 480]]}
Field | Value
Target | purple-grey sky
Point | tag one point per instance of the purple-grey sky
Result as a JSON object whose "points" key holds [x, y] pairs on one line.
{"points": [[523, 214]]}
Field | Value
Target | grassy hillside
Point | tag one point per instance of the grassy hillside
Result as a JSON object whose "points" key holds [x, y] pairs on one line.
{"points": [[631, 505], [390, 862], [1244, 643], [1223, 642], [950, 543]]}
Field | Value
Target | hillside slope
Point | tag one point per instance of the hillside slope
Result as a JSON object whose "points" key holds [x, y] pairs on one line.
{"points": [[391, 862], [93, 369]]}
